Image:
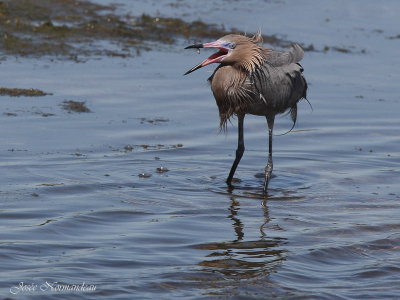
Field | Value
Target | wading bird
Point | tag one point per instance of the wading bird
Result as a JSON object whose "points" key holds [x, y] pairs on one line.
{"points": [[254, 80]]}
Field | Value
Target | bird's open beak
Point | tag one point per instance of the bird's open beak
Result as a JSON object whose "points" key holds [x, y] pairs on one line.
{"points": [[215, 58]]}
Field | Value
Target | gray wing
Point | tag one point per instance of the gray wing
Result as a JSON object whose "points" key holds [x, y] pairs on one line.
{"points": [[281, 58], [279, 81]]}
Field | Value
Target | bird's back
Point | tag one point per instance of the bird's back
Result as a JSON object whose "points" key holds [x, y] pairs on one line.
{"points": [[278, 83]]}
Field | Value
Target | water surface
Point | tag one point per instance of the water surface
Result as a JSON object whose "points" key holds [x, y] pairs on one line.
{"points": [[83, 198]]}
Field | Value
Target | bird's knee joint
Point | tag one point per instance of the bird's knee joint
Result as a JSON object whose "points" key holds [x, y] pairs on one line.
{"points": [[239, 151]]}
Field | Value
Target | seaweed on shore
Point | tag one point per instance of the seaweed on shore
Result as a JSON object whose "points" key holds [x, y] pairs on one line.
{"points": [[71, 28], [75, 106], [16, 92]]}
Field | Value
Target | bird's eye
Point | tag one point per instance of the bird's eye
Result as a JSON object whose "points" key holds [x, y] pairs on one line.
{"points": [[232, 45]]}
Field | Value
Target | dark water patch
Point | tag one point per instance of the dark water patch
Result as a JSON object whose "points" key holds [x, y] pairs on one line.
{"points": [[325, 49], [16, 150], [345, 50], [32, 111], [160, 146], [145, 147], [84, 187], [155, 121], [45, 115], [339, 49], [394, 37], [8, 114]]}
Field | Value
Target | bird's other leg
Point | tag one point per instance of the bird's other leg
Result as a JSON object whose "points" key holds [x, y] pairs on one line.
{"points": [[239, 150], [269, 167]]}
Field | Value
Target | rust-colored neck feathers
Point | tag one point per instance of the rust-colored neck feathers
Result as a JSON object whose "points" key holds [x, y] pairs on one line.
{"points": [[248, 53], [230, 82]]}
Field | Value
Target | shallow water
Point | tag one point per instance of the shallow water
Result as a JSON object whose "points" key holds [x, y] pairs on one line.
{"points": [[79, 206]]}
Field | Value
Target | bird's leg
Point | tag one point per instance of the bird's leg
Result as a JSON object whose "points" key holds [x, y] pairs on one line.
{"points": [[239, 150], [269, 167]]}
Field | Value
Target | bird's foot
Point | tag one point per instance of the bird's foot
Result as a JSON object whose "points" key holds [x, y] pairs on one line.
{"points": [[229, 181]]}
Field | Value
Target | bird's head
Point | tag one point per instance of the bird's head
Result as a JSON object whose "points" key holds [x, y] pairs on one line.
{"points": [[233, 49]]}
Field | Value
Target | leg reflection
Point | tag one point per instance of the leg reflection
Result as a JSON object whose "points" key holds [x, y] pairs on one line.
{"points": [[237, 224], [228, 262]]}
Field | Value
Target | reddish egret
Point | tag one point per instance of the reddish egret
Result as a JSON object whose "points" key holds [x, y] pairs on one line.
{"points": [[253, 80]]}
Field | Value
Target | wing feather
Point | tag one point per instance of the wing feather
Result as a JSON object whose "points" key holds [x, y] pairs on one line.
{"points": [[281, 58]]}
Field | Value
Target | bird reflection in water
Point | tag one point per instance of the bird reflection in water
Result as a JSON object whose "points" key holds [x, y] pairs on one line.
{"points": [[230, 262]]}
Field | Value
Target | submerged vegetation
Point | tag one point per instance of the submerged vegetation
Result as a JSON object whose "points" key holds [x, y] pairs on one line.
{"points": [[68, 28], [15, 92], [75, 106], [74, 29]]}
